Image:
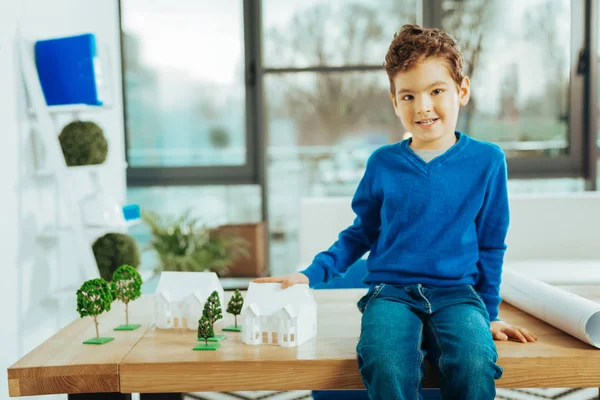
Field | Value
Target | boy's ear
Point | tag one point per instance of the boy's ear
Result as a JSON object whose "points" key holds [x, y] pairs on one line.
{"points": [[464, 91], [393, 98]]}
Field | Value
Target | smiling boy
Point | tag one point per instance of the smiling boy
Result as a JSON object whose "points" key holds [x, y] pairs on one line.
{"points": [[433, 212]]}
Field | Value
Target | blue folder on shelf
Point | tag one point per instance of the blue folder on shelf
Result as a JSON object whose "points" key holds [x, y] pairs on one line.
{"points": [[69, 70]]}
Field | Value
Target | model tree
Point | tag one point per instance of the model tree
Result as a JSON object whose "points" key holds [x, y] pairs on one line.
{"points": [[93, 298], [212, 312], [205, 331], [126, 286], [235, 307]]}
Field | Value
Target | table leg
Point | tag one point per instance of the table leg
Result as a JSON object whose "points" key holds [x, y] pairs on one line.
{"points": [[100, 396], [161, 396]]}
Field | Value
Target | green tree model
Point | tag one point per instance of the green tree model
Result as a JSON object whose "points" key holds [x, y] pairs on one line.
{"points": [[235, 307], [205, 329], [206, 332], [213, 313], [93, 298], [212, 308], [126, 286]]}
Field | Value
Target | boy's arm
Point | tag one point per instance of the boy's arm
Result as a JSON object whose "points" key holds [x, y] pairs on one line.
{"points": [[492, 226], [354, 241]]}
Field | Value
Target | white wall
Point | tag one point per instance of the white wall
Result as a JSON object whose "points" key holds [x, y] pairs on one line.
{"points": [[8, 202], [28, 319]]}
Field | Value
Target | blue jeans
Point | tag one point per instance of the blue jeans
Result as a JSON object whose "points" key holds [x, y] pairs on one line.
{"points": [[403, 325]]}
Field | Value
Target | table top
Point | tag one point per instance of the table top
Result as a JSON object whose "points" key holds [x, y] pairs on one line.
{"points": [[151, 360]]}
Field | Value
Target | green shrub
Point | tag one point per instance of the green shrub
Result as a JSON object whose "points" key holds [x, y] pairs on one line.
{"points": [[219, 137], [113, 250], [83, 143]]}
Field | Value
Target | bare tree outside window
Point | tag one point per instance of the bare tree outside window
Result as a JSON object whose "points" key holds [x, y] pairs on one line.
{"points": [[517, 56], [328, 106]]}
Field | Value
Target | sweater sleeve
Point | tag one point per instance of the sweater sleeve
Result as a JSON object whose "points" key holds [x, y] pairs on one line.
{"points": [[492, 227], [354, 241]]}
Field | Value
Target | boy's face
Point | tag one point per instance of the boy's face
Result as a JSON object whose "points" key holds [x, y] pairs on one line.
{"points": [[427, 101]]}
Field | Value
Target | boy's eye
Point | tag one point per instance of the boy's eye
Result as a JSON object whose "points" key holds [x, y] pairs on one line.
{"points": [[437, 91], [407, 97]]}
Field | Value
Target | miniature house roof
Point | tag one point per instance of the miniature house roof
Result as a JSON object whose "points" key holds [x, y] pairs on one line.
{"points": [[180, 285], [165, 296], [197, 296], [290, 311], [269, 298]]}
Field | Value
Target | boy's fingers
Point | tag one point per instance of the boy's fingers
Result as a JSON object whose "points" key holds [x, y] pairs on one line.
{"points": [[497, 335], [268, 280], [516, 333], [528, 335], [530, 338]]}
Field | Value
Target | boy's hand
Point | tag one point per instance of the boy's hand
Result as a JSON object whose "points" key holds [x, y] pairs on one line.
{"points": [[286, 280], [503, 331]]}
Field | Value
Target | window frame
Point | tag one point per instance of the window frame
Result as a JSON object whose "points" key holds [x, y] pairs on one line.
{"points": [[580, 162], [572, 165], [249, 172]]}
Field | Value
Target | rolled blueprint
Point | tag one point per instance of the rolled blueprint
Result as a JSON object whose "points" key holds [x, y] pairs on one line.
{"points": [[566, 311]]}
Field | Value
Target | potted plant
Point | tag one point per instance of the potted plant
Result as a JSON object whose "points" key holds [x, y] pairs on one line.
{"points": [[93, 298], [113, 250], [184, 244], [83, 143], [126, 286]]}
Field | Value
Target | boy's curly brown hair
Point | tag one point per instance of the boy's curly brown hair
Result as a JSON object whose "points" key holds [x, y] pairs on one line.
{"points": [[413, 44]]}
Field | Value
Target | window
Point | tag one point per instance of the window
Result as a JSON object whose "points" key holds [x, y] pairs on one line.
{"points": [[294, 99], [305, 34], [185, 92], [326, 102], [517, 55]]}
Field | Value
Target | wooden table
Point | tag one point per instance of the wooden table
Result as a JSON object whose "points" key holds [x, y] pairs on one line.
{"points": [[162, 361]]}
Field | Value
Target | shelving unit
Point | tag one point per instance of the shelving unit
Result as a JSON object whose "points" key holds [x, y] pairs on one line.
{"points": [[80, 262]]}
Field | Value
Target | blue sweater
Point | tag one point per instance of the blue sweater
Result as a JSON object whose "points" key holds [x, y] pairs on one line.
{"points": [[441, 223]]}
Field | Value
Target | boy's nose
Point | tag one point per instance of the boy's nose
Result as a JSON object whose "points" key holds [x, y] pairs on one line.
{"points": [[424, 107]]}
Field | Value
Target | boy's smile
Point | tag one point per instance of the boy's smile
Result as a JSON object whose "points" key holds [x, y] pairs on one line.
{"points": [[427, 101]]}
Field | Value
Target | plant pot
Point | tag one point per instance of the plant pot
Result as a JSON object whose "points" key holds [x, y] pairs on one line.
{"points": [[255, 264]]}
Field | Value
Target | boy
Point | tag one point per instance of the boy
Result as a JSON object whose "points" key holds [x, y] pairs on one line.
{"points": [[433, 212]]}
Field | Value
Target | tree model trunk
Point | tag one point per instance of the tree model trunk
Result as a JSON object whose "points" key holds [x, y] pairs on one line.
{"points": [[96, 323]]}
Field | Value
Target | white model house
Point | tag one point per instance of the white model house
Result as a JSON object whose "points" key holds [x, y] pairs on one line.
{"points": [[180, 297], [285, 317]]}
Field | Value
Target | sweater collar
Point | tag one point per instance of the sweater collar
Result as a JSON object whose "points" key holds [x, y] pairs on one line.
{"points": [[461, 142]]}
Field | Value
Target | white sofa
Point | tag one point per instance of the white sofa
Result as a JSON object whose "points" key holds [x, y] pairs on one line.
{"points": [[554, 238]]}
